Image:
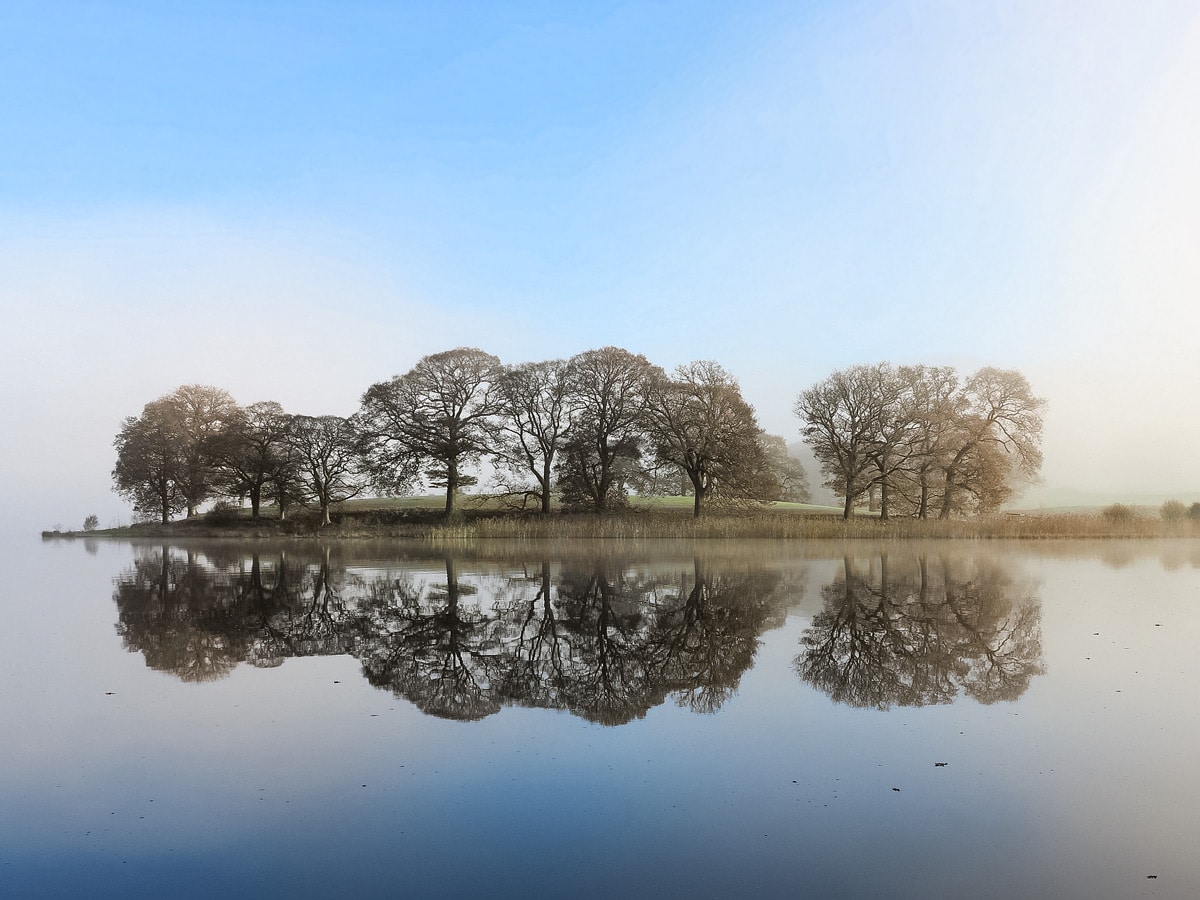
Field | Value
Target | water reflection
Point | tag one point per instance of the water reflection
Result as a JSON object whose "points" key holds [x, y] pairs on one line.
{"points": [[605, 639], [920, 631]]}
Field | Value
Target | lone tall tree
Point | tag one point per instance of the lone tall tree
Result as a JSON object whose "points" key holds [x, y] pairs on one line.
{"points": [[437, 416]]}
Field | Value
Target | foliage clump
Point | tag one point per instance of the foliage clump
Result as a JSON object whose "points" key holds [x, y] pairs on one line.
{"points": [[1119, 512], [1173, 511]]}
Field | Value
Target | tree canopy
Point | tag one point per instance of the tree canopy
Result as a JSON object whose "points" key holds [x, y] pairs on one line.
{"points": [[920, 438], [907, 440]]}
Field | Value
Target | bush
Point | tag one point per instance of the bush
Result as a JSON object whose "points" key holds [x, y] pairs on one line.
{"points": [[91, 523], [1194, 511], [1173, 511], [1118, 512], [223, 513]]}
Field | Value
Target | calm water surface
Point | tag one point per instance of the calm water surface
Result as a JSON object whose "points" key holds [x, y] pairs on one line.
{"points": [[727, 720]]}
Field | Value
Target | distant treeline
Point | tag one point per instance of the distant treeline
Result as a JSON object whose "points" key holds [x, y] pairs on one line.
{"points": [[587, 431]]}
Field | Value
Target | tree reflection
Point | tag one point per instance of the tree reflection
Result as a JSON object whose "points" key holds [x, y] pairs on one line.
{"points": [[604, 640], [177, 613], [430, 648], [536, 669], [921, 634]]}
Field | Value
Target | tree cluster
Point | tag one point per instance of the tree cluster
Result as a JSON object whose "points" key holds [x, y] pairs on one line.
{"points": [[587, 430], [921, 440]]}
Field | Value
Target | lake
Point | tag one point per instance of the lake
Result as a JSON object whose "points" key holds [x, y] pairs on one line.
{"points": [[924, 720]]}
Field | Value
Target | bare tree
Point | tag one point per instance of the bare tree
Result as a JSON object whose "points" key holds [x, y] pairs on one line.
{"points": [[787, 470], [150, 461], [327, 451], [917, 434], [252, 452], [700, 422], [535, 404], [609, 388], [896, 417], [203, 412], [438, 415], [932, 393], [996, 438], [841, 416]]}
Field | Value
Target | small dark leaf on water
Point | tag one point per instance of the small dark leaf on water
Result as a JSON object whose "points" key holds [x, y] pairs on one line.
{"points": [[897, 790], [109, 693], [939, 765], [1151, 876]]}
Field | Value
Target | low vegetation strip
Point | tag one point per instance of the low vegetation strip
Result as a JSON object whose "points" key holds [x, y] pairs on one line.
{"points": [[484, 518], [806, 527]]}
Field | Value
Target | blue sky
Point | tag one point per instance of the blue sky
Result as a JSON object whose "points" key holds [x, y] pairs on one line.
{"points": [[294, 200]]}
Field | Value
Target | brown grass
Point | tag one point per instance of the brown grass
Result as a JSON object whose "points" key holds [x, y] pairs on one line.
{"points": [[647, 525], [422, 519]]}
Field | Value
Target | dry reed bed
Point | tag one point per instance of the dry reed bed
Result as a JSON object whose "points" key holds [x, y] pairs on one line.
{"points": [[650, 526]]}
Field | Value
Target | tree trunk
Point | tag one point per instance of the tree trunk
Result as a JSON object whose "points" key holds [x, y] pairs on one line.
{"points": [[451, 486], [947, 495], [848, 509], [255, 502], [543, 478], [883, 501], [698, 490]]}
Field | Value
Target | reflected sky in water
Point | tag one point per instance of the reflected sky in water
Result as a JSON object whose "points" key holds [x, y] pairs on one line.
{"points": [[658, 721]]}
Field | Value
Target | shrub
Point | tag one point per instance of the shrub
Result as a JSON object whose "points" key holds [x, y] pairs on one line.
{"points": [[1194, 511], [91, 523], [1118, 512], [1173, 511], [223, 513]]}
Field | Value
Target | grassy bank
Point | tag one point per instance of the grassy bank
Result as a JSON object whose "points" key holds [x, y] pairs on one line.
{"points": [[421, 518]]}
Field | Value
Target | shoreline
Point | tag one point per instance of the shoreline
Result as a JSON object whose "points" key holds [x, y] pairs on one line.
{"points": [[433, 528]]}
